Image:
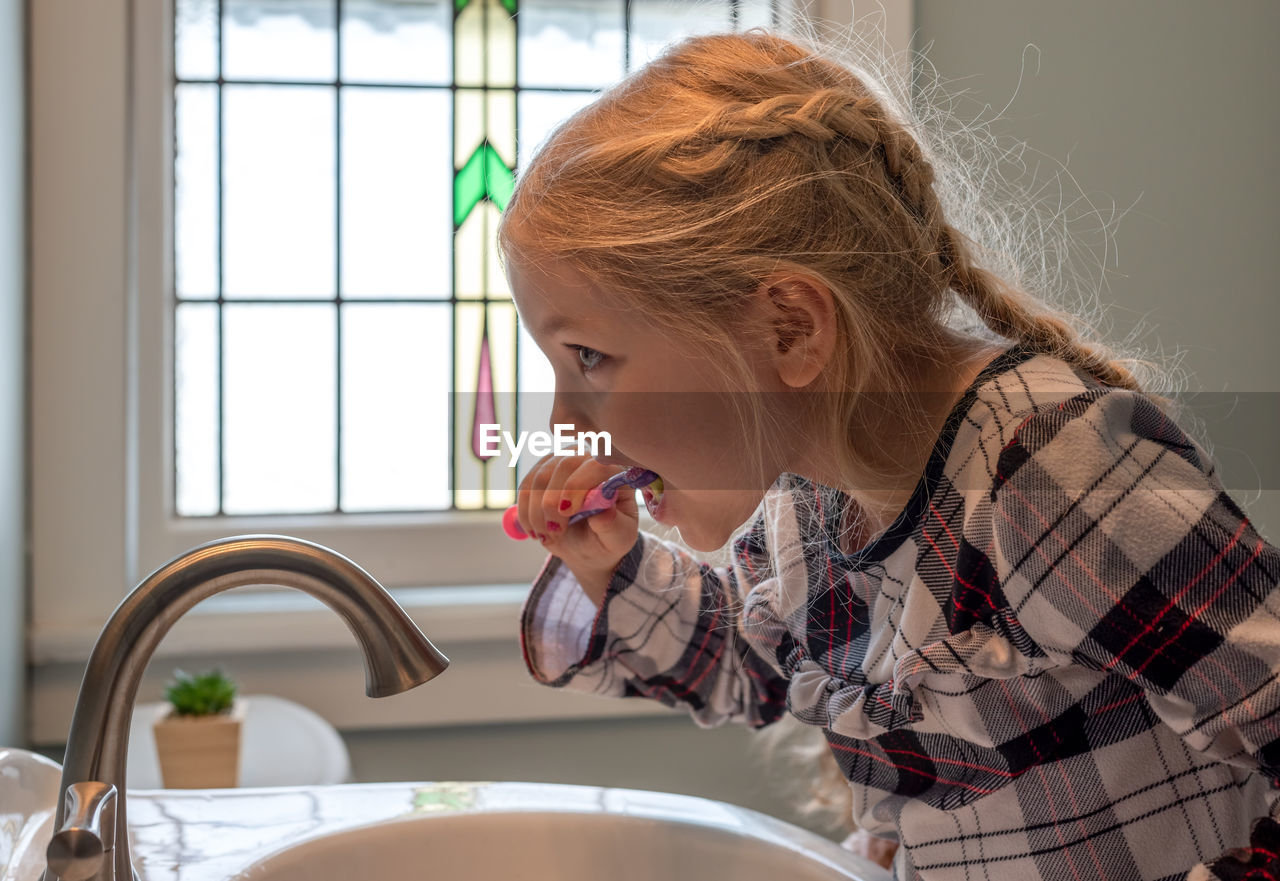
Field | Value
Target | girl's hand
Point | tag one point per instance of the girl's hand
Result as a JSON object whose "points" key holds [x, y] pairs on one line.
{"points": [[552, 492]]}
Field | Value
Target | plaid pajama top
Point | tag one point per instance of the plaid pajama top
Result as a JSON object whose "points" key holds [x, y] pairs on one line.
{"points": [[1059, 662]]}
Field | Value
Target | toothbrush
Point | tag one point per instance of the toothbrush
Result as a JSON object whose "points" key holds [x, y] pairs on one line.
{"points": [[600, 498]]}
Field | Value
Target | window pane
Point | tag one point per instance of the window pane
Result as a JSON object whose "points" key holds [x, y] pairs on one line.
{"points": [[540, 112], [396, 219], [756, 13], [485, 385], [657, 23], [278, 39], [395, 395], [278, 222], [537, 391], [195, 173], [280, 406], [502, 347], [397, 41], [196, 408], [571, 42], [474, 247], [500, 47], [485, 44], [195, 30]]}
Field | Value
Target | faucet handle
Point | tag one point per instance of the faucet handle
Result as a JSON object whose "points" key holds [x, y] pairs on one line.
{"points": [[88, 833]]}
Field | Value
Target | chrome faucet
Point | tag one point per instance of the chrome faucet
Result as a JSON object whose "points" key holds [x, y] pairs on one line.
{"points": [[92, 838]]}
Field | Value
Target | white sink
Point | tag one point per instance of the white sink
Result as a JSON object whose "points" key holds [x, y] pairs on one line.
{"points": [[28, 799], [543, 832], [471, 831]]}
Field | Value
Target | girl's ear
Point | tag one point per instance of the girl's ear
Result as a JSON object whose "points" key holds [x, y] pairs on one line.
{"points": [[802, 321]]}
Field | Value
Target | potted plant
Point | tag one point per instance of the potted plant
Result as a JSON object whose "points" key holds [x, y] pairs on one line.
{"points": [[198, 739]]}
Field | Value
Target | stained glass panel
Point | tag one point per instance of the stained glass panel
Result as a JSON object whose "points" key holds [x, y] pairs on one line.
{"points": [[395, 455], [195, 36], [470, 472], [196, 432], [571, 43], [397, 41], [541, 112], [195, 199], [279, 215], [279, 40], [342, 323], [280, 408], [395, 183], [500, 490], [655, 23]]}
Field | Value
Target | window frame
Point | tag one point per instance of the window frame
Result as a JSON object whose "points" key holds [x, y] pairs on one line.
{"points": [[101, 468]]}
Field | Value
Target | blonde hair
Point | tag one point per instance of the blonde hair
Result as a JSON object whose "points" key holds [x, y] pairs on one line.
{"points": [[732, 158]]}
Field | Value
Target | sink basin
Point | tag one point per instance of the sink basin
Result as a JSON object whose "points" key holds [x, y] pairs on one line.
{"points": [[544, 832], [28, 799]]}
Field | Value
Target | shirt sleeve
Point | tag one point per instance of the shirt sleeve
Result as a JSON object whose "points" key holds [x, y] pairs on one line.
{"points": [[668, 630], [1124, 554]]}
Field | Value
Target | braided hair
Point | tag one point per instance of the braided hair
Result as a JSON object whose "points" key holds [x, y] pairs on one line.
{"points": [[733, 157]]}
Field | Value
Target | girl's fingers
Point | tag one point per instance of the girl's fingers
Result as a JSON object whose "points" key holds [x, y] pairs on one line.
{"points": [[554, 490], [529, 497], [613, 535], [551, 505], [585, 477]]}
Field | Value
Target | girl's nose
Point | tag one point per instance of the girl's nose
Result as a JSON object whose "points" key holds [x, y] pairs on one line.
{"points": [[567, 409]]}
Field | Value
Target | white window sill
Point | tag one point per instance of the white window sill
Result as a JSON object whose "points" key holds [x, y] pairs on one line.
{"points": [[288, 644]]}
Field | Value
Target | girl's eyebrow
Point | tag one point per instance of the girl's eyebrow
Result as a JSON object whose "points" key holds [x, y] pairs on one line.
{"points": [[557, 323]]}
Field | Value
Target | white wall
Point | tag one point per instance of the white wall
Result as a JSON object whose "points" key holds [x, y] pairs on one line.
{"points": [[12, 372], [1168, 106]]}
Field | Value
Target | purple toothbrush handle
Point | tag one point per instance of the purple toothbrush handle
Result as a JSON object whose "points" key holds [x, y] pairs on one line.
{"points": [[605, 496]]}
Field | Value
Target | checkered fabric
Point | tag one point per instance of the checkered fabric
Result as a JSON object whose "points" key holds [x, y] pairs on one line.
{"points": [[1059, 662]]}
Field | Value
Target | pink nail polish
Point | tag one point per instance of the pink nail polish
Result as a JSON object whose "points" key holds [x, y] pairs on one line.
{"points": [[553, 526], [564, 504]]}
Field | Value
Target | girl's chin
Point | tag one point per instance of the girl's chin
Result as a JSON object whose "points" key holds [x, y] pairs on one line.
{"points": [[705, 524], [704, 541]]}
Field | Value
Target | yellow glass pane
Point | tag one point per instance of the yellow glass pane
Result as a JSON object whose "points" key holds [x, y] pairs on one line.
{"points": [[475, 255], [469, 45], [502, 46], [468, 471], [497, 287], [469, 246], [468, 124], [500, 115]]}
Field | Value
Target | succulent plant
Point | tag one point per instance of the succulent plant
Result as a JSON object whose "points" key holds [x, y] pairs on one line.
{"points": [[205, 694]]}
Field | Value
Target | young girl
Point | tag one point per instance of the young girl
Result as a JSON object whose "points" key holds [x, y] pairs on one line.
{"points": [[1038, 636]]}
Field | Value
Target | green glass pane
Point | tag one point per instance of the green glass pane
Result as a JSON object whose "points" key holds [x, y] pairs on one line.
{"points": [[483, 176], [510, 5], [499, 180]]}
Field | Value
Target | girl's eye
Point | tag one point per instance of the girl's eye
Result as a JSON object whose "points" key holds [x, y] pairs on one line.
{"points": [[588, 358]]}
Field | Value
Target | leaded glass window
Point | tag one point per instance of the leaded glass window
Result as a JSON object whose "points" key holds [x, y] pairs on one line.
{"points": [[341, 325]]}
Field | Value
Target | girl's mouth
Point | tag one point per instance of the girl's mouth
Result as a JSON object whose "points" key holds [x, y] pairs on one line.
{"points": [[652, 495]]}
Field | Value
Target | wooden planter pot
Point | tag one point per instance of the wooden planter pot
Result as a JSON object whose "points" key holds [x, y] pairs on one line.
{"points": [[200, 752]]}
